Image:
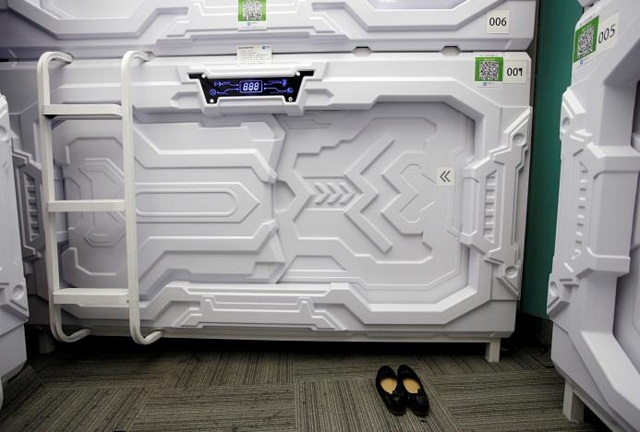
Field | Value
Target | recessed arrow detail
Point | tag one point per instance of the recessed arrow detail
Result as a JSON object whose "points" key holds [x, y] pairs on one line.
{"points": [[336, 193], [324, 193], [333, 192], [444, 176], [348, 193]]}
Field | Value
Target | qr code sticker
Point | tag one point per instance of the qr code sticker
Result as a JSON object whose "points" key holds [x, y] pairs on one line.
{"points": [[585, 42], [489, 70], [253, 10]]}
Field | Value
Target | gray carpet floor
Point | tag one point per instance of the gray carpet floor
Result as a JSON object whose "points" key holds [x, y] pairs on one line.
{"points": [[110, 384]]}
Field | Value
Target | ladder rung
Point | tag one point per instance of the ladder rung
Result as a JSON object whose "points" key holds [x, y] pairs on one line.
{"points": [[83, 110], [85, 206], [91, 296]]}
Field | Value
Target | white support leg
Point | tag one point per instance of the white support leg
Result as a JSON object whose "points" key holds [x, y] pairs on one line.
{"points": [[46, 342], [492, 354], [573, 407]]}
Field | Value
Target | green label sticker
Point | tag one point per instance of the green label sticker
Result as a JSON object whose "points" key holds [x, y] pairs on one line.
{"points": [[252, 10], [585, 40], [489, 69]]}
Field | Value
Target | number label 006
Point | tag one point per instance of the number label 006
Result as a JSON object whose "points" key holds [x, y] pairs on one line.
{"points": [[498, 21]]}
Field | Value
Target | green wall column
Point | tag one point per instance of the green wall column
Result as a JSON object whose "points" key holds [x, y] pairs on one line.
{"points": [[556, 23]]}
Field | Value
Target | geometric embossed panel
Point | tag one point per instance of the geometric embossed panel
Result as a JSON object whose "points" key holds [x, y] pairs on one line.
{"points": [[366, 196], [198, 204], [326, 217]]}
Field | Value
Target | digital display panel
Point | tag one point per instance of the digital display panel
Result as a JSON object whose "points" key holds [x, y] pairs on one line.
{"points": [[216, 88], [250, 86]]}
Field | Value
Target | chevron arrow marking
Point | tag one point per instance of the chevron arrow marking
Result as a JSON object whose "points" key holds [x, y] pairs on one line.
{"points": [[348, 193], [445, 176], [324, 193], [336, 193]]}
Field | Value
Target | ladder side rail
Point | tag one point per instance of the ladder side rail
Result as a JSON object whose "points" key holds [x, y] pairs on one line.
{"points": [[48, 185], [130, 200]]}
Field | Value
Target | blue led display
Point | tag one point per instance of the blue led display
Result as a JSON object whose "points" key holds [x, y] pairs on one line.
{"points": [[250, 86]]}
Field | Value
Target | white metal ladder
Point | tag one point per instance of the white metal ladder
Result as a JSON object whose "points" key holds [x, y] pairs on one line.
{"points": [[90, 296]]}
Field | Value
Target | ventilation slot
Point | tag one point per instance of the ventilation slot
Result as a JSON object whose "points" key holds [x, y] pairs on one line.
{"points": [[490, 206]]}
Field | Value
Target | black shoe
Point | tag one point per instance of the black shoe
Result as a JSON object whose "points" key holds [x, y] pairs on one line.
{"points": [[417, 399], [391, 391]]}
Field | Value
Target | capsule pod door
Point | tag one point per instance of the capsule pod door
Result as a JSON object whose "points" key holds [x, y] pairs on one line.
{"points": [[96, 29], [333, 197], [13, 290], [594, 289]]}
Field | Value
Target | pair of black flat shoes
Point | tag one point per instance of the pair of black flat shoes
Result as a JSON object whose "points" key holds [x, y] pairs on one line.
{"points": [[402, 391]]}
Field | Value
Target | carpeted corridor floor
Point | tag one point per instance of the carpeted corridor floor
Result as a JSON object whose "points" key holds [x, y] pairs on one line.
{"points": [[110, 384]]}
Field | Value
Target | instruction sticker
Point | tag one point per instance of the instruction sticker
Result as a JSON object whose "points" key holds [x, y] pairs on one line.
{"points": [[252, 14], [499, 21], [595, 37], [254, 55]]}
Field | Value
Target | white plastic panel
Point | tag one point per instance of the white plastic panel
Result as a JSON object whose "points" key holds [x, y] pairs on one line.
{"points": [[594, 291], [93, 28], [13, 291], [331, 213]]}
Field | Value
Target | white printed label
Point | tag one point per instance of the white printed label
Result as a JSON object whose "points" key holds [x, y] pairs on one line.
{"points": [[515, 72], [254, 55], [608, 31], [445, 176], [498, 21]]}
